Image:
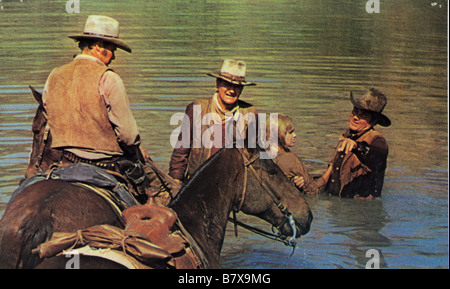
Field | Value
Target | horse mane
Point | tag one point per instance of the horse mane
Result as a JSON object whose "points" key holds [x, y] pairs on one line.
{"points": [[203, 203], [201, 171]]}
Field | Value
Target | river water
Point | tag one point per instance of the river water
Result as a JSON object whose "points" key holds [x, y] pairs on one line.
{"points": [[306, 56]]}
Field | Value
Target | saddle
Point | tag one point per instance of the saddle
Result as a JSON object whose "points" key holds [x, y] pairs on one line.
{"points": [[156, 223], [88, 175], [149, 240]]}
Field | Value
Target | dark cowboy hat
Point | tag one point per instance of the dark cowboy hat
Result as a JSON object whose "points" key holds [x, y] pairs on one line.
{"points": [[373, 101], [232, 71], [102, 28]]}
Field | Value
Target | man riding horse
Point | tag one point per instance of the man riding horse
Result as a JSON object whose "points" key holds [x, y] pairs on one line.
{"points": [[88, 110], [87, 119]]}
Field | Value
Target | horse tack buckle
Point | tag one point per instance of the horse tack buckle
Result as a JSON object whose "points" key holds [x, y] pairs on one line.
{"points": [[292, 242]]}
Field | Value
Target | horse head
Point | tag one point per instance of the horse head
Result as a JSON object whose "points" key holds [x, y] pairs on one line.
{"points": [[269, 195], [228, 181]]}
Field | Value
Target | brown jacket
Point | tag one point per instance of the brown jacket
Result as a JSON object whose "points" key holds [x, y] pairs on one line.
{"points": [[187, 159], [77, 114], [292, 166]]}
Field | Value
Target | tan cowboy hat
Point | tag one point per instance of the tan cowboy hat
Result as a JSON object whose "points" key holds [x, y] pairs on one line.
{"points": [[233, 71], [102, 28], [373, 101]]}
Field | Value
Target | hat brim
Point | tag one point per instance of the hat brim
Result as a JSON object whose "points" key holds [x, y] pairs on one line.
{"points": [[382, 119], [243, 83], [119, 43]]}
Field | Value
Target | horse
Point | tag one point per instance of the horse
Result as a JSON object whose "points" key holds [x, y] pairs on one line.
{"points": [[228, 181], [224, 184]]}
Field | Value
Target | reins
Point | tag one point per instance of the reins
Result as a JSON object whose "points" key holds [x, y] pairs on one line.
{"points": [[288, 216]]}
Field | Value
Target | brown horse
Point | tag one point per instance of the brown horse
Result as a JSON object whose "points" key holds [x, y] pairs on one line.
{"points": [[228, 181]]}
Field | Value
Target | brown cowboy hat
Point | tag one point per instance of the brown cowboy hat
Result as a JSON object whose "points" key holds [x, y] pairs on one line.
{"points": [[373, 101], [232, 71], [102, 28]]}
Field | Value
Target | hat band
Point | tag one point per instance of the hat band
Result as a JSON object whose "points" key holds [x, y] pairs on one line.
{"points": [[100, 35], [233, 77]]}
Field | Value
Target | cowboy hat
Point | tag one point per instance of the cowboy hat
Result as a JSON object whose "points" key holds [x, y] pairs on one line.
{"points": [[102, 28], [232, 71], [373, 101]]}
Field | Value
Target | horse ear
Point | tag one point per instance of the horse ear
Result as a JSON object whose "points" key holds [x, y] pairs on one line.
{"points": [[37, 95]]}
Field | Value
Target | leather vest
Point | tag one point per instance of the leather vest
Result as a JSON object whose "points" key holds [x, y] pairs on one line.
{"points": [[351, 166], [77, 113]]}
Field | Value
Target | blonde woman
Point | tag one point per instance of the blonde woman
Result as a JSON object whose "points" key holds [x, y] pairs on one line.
{"points": [[290, 163]]}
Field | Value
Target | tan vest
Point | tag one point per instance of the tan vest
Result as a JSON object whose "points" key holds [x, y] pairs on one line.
{"points": [[351, 166], [198, 156], [77, 114]]}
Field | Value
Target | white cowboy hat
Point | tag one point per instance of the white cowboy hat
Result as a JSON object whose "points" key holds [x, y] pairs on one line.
{"points": [[102, 28], [232, 71]]}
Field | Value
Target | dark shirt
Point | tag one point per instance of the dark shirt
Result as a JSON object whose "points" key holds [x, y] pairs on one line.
{"points": [[374, 156]]}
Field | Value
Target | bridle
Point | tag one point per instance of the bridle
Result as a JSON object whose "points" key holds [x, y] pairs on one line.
{"points": [[287, 215]]}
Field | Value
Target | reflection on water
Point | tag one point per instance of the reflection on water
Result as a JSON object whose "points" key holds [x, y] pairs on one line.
{"points": [[306, 56]]}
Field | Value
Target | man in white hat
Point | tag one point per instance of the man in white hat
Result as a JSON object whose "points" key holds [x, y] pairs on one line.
{"points": [[359, 163], [223, 108], [88, 109]]}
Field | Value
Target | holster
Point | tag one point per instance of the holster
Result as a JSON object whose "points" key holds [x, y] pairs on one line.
{"points": [[135, 174]]}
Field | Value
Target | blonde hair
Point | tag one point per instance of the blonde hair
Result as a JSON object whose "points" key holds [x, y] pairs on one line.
{"points": [[285, 125]]}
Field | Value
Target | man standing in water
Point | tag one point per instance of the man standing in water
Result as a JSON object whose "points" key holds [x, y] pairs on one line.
{"points": [[359, 163]]}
